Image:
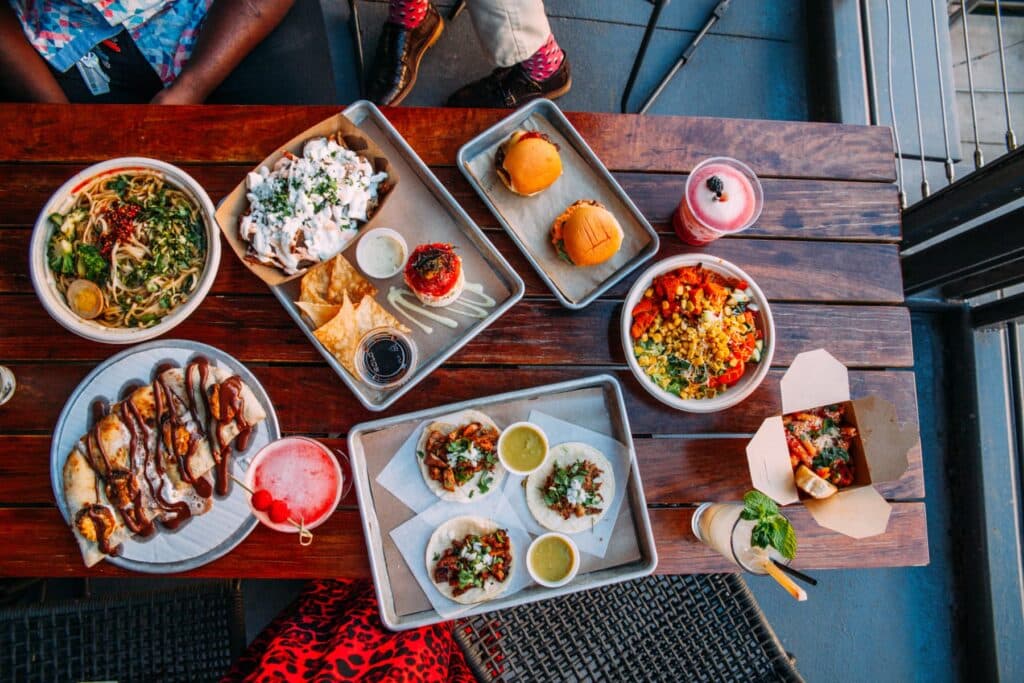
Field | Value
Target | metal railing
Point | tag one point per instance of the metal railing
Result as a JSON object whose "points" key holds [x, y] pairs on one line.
{"points": [[962, 241]]}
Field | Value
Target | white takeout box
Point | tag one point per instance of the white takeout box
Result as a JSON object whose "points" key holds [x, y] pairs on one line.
{"points": [[879, 453]]}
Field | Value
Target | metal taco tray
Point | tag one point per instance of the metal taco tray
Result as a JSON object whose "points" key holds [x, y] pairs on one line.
{"points": [[592, 402], [528, 219], [422, 210]]}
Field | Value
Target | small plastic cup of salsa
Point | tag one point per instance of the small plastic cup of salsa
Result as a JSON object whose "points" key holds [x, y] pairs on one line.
{"points": [[522, 447], [304, 474], [553, 559]]}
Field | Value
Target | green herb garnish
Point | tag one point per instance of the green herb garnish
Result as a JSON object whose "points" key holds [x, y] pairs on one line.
{"points": [[771, 529]]}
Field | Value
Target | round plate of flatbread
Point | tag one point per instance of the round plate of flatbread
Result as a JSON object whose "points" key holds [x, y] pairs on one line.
{"points": [[181, 516]]}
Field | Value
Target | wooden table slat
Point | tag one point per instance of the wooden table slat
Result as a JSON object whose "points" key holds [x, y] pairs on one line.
{"points": [[246, 134], [798, 208], [295, 390], [47, 549], [822, 272]]}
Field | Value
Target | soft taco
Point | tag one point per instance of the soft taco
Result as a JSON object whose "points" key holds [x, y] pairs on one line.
{"points": [[572, 490], [469, 559], [459, 456]]}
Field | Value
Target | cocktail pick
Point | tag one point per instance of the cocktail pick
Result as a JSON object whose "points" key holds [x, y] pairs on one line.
{"points": [[305, 535]]}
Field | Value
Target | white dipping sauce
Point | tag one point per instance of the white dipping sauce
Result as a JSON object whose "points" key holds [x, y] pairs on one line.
{"points": [[381, 253]]}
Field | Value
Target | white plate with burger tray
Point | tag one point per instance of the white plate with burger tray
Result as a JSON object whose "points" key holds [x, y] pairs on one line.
{"points": [[528, 219]]}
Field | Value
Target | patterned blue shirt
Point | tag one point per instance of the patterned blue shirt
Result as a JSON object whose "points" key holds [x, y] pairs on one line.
{"points": [[64, 31]]}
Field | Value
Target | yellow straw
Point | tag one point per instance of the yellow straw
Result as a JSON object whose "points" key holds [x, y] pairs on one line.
{"points": [[784, 581]]}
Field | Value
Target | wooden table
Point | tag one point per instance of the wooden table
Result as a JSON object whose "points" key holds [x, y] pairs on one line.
{"points": [[824, 251]]}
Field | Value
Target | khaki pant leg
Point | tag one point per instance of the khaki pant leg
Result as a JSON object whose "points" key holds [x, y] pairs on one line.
{"points": [[509, 30]]}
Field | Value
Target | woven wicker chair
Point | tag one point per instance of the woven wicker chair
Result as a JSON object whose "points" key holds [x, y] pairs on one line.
{"points": [[704, 627], [182, 634]]}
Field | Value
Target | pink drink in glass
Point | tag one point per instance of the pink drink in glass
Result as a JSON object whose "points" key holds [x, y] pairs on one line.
{"points": [[722, 197], [301, 472]]}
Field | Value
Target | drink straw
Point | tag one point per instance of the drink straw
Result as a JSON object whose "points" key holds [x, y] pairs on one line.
{"points": [[795, 573], [784, 580]]}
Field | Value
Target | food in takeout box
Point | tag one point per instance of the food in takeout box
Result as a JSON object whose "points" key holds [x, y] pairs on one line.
{"points": [[459, 458], [695, 331], [434, 274], [305, 202], [817, 383], [572, 490], [307, 208], [819, 441], [155, 459], [586, 233], [470, 559], [528, 162]]}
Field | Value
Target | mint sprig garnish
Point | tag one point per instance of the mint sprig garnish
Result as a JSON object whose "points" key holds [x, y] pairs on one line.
{"points": [[771, 529]]}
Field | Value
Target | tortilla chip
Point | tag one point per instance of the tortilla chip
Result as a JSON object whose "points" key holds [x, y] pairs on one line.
{"points": [[315, 283], [346, 279], [341, 334], [327, 282], [318, 314]]}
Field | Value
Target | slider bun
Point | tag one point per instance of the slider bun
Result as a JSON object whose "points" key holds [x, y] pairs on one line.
{"points": [[587, 232], [528, 165]]}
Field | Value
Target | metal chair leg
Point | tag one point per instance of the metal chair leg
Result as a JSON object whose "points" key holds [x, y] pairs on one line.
{"points": [[357, 38], [652, 24]]}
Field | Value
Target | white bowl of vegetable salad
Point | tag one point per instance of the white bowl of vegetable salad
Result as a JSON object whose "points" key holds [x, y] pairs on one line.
{"points": [[698, 333], [125, 250]]}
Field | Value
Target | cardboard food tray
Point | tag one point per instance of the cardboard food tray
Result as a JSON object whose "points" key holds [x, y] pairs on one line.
{"points": [[422, 210], [879, 451], [594, 403], [528, 219], [230, 211]]}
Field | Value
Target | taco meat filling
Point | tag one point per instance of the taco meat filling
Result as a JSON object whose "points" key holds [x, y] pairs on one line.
{"points": [[454, 458], [473, 560], [574, 490], [820, 439]]}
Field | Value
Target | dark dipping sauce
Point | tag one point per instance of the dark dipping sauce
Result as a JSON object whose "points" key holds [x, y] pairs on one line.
{"points": [[385, 357]]}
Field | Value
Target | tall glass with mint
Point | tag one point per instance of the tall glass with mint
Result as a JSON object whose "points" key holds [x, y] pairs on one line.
{"points": [[749, 534]]}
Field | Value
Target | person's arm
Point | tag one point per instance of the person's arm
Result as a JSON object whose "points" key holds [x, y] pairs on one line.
{"points": [[231, 30], [24, 76]]}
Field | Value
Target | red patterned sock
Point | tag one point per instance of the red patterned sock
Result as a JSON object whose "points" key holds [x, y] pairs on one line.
{"points": [[545, 61], [407, 13]]}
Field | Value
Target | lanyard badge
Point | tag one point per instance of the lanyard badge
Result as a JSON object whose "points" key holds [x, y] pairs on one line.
{"points": [[95, 78]]}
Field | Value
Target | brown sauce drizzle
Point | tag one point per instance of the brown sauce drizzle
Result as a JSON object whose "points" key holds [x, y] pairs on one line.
{"points": [[177, 439], [103, 525]]}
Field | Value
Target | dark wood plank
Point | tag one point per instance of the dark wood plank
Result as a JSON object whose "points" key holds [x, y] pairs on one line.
{"points": [[534, 332], [221, 134], [820, 272], [46, 547], [674, 471], [794, 208], [311, 399]]}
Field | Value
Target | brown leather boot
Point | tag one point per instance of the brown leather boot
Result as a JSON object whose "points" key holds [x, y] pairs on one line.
{"points": [[399, 52], [510, 87]]}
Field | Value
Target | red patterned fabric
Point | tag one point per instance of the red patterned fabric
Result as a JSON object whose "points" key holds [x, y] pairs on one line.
{"points": [[545, 61], [407, 13], [332, 632]]}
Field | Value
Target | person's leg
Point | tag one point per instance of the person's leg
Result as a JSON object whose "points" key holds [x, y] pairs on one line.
{"points": [[413, 26], [291, 66], [517, 37]]}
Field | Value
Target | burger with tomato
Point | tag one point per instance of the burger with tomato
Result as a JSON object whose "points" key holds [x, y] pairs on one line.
{"points": [[434, 274]]}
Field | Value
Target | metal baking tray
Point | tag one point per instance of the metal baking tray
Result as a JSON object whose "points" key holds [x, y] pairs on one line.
{"points": [[390, 572], [423, 211], [528, 219]]}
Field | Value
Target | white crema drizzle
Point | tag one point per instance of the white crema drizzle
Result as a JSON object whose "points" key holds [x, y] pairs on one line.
{"points": [[470, 307]]}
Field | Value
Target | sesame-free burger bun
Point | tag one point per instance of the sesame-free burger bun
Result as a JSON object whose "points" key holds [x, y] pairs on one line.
{"points": [[528, 162], [586, 233]]}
